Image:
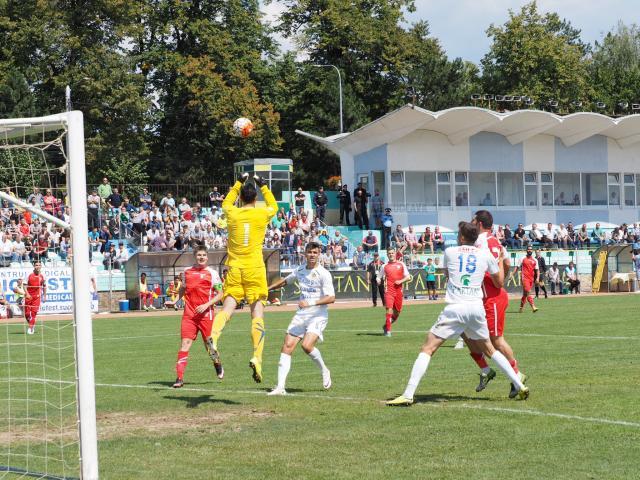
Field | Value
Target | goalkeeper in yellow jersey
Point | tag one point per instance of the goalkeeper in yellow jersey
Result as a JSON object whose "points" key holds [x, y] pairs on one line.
{"points": [[247, 275]]}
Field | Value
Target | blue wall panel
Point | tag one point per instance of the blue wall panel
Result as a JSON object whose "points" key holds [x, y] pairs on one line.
{"points": [[490, 152], [372, 160], [578, 217], [589, 155], [422, 218], [512, 217]]}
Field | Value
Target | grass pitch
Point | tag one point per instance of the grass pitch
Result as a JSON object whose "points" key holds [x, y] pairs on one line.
{"points": [[581, 421]]}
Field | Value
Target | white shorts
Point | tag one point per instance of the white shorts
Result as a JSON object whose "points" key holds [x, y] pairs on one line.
{"points": [[302, 324], [462, 317]]}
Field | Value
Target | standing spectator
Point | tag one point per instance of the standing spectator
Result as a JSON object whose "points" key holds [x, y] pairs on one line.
{"points": [[438, 239], [361, 217], [387, 225], [373, 273], [377, 205], [6, 250], [145, 199], [40, 250], [109, 257], [104, 238], [344, 197], [167, 202], [572, 278], [542, 268], [370, 243], [114, 201], [184, 207], [320, 201], [215, 198], [299, 201], [93, 208], [554, 279], [583, 237], [37, 196], [430, 270], [104, 189], [426, 239], [49, 202]]}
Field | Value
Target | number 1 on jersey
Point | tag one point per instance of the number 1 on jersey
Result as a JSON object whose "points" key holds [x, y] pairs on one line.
{"points": [[246, 227]]}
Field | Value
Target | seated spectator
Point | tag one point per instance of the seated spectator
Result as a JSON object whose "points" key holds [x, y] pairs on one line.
{"points": [[323, 238], [399, 239], [184, 207], [438, 239], [64, 249], [304, 223], [500, 234], [553, 276], [583, 237], [121, 257], [158, 242], [562, 237], [104, 238], [40, 250], [359, 259], [520, 237], [426, 239], [109, 257], [571, 276], [370, 243], [146, 294], [20, 253], [548, 236], [6, 250], [412, 240], [535, 235], [278, 220], [508, 241], [598, 235], [571, 235]]}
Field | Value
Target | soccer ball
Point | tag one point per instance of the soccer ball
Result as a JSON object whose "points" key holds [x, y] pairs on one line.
{"points": [[243, 127]]}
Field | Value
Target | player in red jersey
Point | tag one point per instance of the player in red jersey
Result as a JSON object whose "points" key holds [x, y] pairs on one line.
{"points": [[496, 301], [396, 275], [35, 292], [530, 276], [200, 283]]}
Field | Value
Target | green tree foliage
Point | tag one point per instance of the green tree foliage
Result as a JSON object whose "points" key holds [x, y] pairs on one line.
{"points": [[537, 55], [615, 67]]}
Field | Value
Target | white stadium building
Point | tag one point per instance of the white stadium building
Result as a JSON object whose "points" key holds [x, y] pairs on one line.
{"points": [[525, 166]]}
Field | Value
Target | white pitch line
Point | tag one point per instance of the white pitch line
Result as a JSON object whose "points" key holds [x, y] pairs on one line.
{"points": [[464, 406]]}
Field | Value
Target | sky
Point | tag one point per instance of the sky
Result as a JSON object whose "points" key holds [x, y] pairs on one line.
{"points": [[461, 25]]}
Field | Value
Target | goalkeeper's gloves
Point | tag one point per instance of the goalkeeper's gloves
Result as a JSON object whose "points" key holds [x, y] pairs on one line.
{"points": [[260, 182], [244, 177]]}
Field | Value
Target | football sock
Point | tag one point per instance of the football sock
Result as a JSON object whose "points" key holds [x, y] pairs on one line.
{"points": [[257, 337], [394, 317], [387, 322], [219, 321], [32, 321], [181, 364], [522, 301], [503, 364], [514, 365], [283, 369], [480, 361], [417, 372], [317, 359], [530, 300]]}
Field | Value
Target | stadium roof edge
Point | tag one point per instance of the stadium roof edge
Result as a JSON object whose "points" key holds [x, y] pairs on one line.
{"points": [[460, 123]]}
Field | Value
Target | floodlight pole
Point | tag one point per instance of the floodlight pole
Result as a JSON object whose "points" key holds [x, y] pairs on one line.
{"points": [[339, 89]]}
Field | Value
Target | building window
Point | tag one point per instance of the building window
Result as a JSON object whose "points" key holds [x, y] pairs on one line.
{"points": [[531, 189], [629, 190], [444, 189], [482, 189], [510, 190], [567, 189], [613, 179], [594, 189], [546, 189], [397, 189], [462, 189], [420, 189]]}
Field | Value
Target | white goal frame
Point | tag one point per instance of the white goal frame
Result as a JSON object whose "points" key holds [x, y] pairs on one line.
{"points": [[77, 190]]}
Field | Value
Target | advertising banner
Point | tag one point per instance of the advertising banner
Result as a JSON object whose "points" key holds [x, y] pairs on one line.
{"points": [[59, 298], [355, 284]]}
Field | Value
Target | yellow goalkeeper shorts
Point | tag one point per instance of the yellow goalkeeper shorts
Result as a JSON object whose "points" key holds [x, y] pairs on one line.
{"points": [[249, 283]]}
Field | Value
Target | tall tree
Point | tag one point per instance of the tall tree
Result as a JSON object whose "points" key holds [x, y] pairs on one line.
{"points": [[202, 59], [537, 55], [615, 67]]}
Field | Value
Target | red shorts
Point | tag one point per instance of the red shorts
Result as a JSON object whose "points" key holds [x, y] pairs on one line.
{"points": [[527, 284], [31, 310], [192, 324], [495, 309], [393, 299]]}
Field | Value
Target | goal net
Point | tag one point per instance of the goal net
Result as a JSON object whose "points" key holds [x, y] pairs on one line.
{"points": [[47, 389]]}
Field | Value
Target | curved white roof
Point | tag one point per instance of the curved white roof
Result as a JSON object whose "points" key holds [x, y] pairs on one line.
{"points": [[460, 123]]}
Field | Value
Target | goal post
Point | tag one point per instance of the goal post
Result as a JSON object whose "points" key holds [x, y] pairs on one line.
{"points": [[73, 123]]}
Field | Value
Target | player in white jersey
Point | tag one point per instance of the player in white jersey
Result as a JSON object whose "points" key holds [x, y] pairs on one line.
{"points": [[310, 320], [465, 266]]}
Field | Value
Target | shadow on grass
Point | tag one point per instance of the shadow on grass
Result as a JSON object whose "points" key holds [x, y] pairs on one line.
{"points": [[444, 397], [195, 402], [170, 384], [370, 334]]}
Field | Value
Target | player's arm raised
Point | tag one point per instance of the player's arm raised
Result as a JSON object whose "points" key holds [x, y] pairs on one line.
{"points": [[269, 199], [229, 202]]}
